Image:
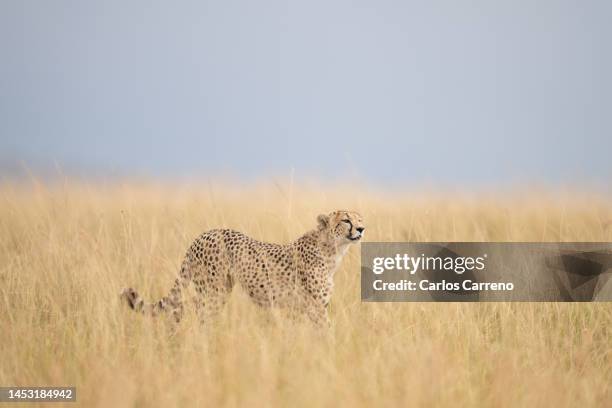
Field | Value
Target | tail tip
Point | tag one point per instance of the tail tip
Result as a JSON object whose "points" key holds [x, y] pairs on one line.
{"points": [[130, 296]]}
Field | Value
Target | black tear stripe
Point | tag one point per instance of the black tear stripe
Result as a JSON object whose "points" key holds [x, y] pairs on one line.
{"points": [[350, 235]]}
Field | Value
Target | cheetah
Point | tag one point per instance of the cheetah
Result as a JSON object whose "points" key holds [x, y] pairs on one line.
{"points": [[299, 274]]}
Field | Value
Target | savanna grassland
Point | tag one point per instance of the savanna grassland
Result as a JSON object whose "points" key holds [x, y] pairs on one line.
{"points": [[67, 250]]}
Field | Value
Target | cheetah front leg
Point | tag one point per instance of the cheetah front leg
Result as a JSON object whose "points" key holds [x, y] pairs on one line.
{"points": [[314, 308], [315, 293], [319, 315]]}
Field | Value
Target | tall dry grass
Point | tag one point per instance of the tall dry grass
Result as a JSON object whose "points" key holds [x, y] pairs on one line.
{"points": [[66, 250]]}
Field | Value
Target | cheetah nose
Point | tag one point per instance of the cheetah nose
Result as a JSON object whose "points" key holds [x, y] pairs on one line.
{"points": [[360, 229]]}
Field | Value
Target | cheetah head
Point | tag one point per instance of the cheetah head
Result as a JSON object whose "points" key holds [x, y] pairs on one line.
{"points": [[345, 227]]}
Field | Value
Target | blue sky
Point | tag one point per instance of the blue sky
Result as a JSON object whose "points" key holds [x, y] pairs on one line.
{"points": [[448, 92]]}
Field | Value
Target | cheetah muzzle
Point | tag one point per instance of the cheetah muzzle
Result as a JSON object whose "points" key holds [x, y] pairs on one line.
{"points": [[299, 274]]}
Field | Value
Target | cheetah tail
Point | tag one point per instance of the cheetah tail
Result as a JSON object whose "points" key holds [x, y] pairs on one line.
{"points": [[170, 303]]}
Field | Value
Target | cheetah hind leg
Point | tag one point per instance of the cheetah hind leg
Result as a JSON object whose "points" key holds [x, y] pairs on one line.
{"points": [[212, 295], [209, 306]]}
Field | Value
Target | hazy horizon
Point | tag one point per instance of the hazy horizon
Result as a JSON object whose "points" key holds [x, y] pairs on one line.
{"points": [[438, 93]]}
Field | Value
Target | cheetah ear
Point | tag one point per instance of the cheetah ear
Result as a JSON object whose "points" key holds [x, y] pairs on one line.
{"points": [[323, 221]]}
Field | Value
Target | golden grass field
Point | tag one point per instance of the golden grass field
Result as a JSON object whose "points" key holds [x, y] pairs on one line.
{"points": [[67, 249]]}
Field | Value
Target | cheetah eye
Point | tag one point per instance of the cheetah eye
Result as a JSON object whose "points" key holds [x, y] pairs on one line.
{"points": [[347, 221]]}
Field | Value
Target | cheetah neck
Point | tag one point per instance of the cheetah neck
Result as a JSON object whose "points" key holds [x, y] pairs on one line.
{"points": [[338, 258]]}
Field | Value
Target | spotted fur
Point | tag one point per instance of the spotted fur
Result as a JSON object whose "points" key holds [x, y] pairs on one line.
{"points": [[299, 274]]}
